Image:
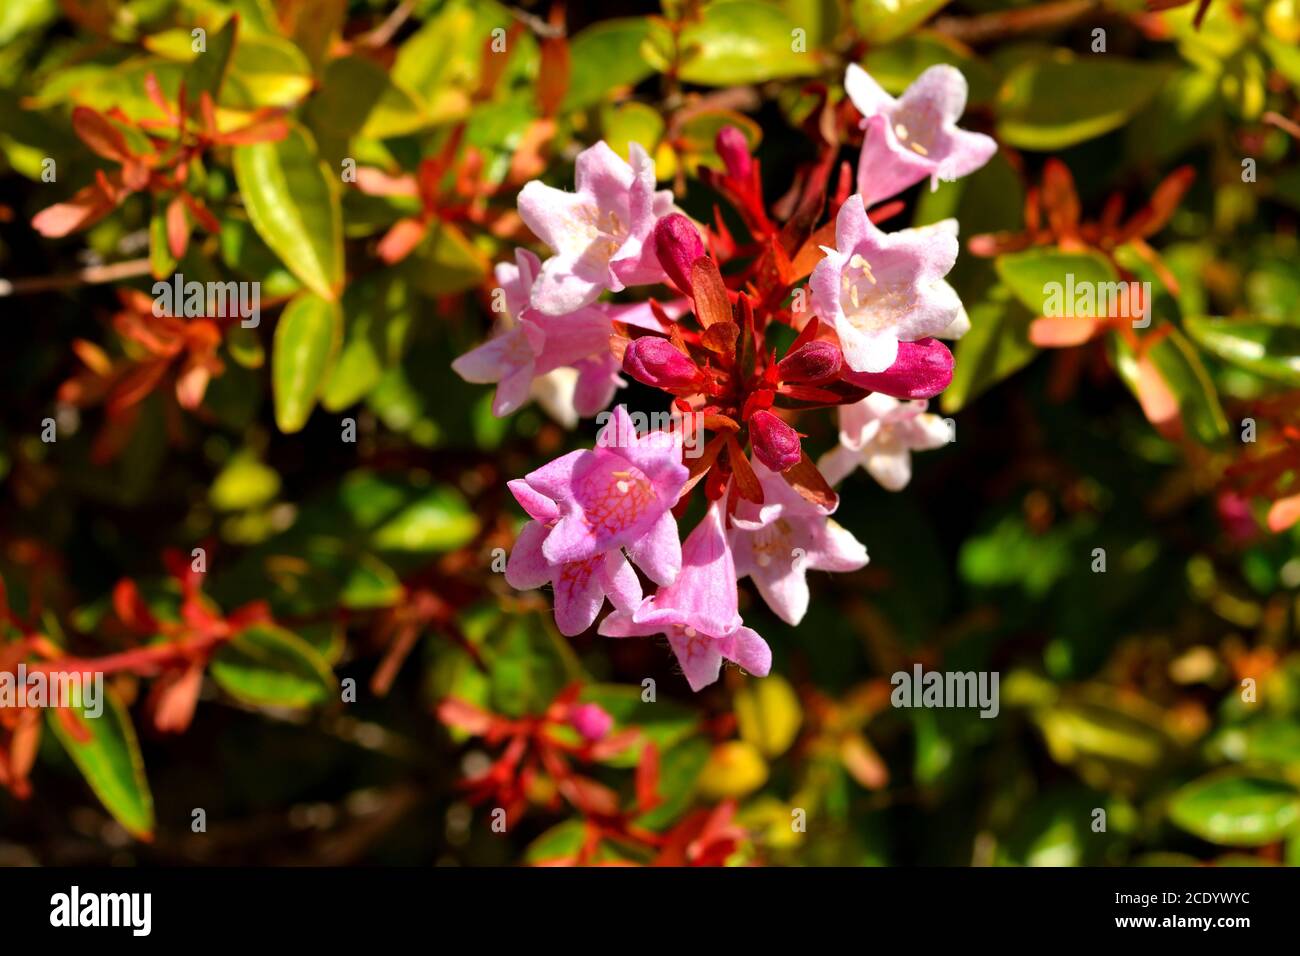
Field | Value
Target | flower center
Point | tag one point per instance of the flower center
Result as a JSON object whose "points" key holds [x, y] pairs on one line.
{"points": [[917, 128], [869, 304]]}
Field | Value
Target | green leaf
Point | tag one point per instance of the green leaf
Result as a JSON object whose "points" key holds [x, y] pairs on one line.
{"points": [[741, 41], [438, 520], [359, 99], [379, 316], [1269, 350], [606, 56], [768, 714], [111, 763], [304, 340], [266, 71], [1049, 104], [267, 666], [1181, 369], [1034, 274], [294, 206], [880, 21], [1236, 808], [996, 346], [243, 483]]}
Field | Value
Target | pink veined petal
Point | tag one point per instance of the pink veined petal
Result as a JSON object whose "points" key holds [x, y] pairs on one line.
{"points": [[578, 594], [866, 94], [512, 391], [836, 549], [885, 167], [703, 595], [602, 173], [568, 283], [746, 648], [892, 467], [556, 217], [621, 624], [838, 463], [538, 506], [659, 551], [700, 658], [499, 356], [853, 228], [526, 568], [555, 478], [573, 337], [783, 584], [967, 153], [940, 89], [620, 582], [866, 351], [598, 382]]}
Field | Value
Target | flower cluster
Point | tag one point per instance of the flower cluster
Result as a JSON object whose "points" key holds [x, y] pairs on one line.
{"points": [[868, 313]]}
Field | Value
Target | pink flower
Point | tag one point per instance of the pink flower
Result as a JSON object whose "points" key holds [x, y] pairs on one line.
{"points": [[529, 345], [879, 289], [600, 234], [586, 507], [776, 543], [698, 611], [880, 433], [916, 135], [590, 720]]}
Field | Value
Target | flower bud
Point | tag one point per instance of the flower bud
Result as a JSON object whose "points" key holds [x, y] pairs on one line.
{"points": [[923, 369], [678, 245], [733, 147], [811, 362], [775, 443], [655, 361], [590, 720]]}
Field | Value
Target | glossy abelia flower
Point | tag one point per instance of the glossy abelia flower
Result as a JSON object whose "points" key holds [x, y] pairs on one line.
{"points": [[698, 612], [879, 434], [881, 288], [915, 136], [778, 542], [580, 586], [529, 345], [617, 495], [601, 234]]}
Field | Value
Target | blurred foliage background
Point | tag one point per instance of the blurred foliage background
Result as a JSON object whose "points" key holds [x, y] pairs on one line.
{"points": [[318, 736]]}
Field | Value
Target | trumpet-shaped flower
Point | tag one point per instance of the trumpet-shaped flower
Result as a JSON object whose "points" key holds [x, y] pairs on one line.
{"points": [[698, 612], [601, 234], [879, 289], [916, 135], [879, 434], [778, 542]]}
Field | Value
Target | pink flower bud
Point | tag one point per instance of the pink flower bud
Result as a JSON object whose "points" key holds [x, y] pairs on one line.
{"points": [[923, 369], [655, 361], [776, 444], [590, 720], [678, 245], [734, 150], [812, 362]]}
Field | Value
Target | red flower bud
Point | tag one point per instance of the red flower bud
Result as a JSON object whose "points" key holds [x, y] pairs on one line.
{"points": [[655, 361], [923, 369], [812, 362], [775, 443], [734, 150], [590, 720], [678, 245]]}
